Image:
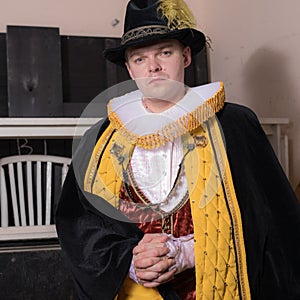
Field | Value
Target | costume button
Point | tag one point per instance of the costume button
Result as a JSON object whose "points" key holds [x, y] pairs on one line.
{"points": [[116, 149], [190, 147], [200, 141]]}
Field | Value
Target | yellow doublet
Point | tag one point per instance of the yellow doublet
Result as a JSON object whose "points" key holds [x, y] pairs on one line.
{"points": [[132, 291], [217, 223], [215, 235]]}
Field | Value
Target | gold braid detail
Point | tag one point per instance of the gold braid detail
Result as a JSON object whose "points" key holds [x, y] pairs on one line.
{"points": [[184, 124]]}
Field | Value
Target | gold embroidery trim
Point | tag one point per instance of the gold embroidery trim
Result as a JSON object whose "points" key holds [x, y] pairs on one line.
{"points": [[234, 210], [92, 166], [143, 31], [96, 179]]}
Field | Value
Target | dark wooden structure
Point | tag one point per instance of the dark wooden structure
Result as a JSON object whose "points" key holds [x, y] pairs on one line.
{"points": [[44, 74], [34, 72]]}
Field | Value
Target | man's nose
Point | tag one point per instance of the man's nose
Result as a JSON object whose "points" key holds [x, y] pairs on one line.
{"points": [[154, 66]]}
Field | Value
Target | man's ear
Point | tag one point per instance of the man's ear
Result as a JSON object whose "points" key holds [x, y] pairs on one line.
{"points": [[187, 55], [129, 70]]}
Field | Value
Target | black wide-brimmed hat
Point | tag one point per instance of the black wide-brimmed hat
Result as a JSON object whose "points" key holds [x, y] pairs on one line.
{"points": [[149, 20]]}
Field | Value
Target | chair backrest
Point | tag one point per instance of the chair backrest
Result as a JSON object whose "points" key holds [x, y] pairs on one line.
{"points": [[29, 187]]}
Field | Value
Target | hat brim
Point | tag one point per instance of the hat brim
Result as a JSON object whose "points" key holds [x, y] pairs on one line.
{"points": [[189, 37]]}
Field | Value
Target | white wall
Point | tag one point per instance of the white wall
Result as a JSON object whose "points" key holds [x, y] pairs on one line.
{"points": [[73, 17], [256, 46]]}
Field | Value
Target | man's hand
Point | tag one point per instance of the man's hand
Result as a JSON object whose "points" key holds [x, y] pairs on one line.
{"points": [[152, 266]]}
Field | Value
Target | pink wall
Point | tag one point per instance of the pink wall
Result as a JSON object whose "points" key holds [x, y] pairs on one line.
{"points": [[256, 46], [73, 17]]}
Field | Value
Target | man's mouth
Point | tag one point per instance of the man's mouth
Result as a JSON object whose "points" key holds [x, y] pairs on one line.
{"points": [[156, 80]]}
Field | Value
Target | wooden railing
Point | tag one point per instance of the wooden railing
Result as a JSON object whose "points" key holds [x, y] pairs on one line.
{"points": [[68, 128], [276, 130]]}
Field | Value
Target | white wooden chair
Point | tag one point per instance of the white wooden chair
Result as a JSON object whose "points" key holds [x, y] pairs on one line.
{"points": [[29, 184]]}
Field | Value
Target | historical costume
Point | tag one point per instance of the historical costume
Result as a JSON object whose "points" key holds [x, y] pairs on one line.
{"points": [[203, 170], [253, 218]]}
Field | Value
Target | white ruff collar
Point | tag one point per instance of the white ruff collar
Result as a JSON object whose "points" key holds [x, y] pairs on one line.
{"points": [[149, 130]]}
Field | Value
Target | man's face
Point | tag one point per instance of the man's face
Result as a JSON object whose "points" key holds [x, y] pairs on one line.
{"points": [[158, 69]]}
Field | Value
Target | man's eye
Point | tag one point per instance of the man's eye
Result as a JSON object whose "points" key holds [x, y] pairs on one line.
{"points": [[166, 53], [138, 60]]}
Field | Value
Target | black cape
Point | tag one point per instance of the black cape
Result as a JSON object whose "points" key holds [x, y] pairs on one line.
{"points": [[98, 248]]}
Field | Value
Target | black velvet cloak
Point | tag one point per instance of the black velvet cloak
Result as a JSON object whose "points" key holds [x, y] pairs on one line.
{"points": [[98, 248]]}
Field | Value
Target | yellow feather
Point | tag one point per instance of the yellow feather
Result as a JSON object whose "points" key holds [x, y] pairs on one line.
{"points": [[177, 13]]}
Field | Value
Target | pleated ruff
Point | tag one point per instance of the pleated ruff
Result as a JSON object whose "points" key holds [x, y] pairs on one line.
{"points": [[176, 128]]}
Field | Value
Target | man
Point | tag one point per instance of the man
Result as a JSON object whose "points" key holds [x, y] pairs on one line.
{"points": [[177, 195]]}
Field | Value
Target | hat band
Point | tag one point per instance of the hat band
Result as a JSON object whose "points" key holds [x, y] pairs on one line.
{"points": [[143, 31]]}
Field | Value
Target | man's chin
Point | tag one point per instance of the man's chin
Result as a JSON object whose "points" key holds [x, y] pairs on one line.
{"points": [[160, 88]]}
